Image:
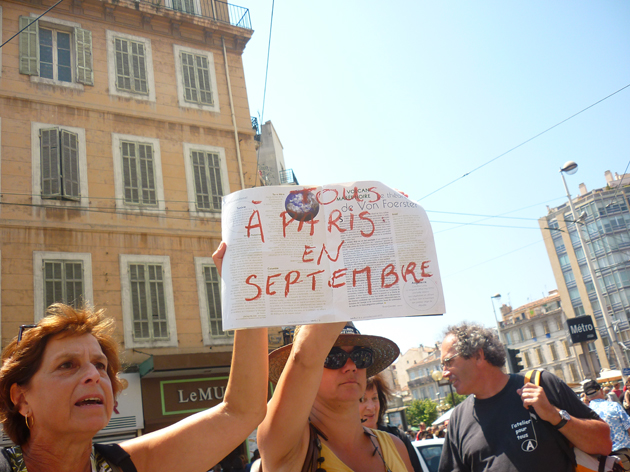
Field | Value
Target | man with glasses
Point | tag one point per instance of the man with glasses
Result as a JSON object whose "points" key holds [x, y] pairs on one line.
{"points": [[506, 424]]}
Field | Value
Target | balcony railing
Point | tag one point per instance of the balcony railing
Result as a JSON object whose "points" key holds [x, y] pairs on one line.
{"points": [[212, 9]]}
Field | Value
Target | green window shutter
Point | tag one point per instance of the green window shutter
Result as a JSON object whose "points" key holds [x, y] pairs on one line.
{"points": [[29, 47], [50, 172], [123, 77], [147, 174], [130, 172], [214, 176], [139, 306], [53, 283], [213, 296], [73, 283], [201, 180], [203, 80], [70, 164], [139, 68], [83, 40], [188, 76], [158, 302]]}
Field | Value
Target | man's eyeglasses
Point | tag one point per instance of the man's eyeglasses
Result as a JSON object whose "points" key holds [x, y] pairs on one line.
{"points": [[363, 357], [22, 329], [448, 362]]}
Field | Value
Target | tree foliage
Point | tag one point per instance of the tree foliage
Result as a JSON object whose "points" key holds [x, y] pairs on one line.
{"points": [[458, 399], [422, 411]]}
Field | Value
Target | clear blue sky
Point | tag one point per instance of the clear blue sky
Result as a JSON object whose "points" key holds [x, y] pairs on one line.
{"points": [[416, 94]]}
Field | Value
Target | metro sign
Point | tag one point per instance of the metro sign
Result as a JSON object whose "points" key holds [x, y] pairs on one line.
{"points": [[582, 329]]}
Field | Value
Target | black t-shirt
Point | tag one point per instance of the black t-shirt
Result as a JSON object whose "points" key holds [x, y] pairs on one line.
{"points": [[499, 434]]}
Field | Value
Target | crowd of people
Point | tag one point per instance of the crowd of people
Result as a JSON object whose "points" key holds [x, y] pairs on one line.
{"points": [[59, 381]]}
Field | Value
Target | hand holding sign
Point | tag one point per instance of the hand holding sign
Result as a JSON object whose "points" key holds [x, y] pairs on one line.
{"points": [[301, 255]]}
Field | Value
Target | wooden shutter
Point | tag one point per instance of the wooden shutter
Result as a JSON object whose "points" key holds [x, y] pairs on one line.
{"points": [[203, 79], [83, 40], [130, 172], [53, 283], [70, 164], [49, 152], [139, 68], [73, 283], [158, 301], [201, 180], [147, 173], [214, 175], [123, 78], [213, 294], [139, 301], [29, 47], [188, 76]]}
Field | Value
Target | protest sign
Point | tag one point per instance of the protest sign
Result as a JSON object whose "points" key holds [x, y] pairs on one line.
{"points": [[302, 255]]}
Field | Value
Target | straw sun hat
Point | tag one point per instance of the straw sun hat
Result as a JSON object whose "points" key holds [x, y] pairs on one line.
{"points": [[385, 351]]}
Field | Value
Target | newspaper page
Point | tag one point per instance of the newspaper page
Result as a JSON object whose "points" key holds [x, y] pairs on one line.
{"points": [[340, 252]]}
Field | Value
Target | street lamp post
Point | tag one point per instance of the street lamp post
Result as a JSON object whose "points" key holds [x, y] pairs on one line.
{"points": [[570, 168], [496, 320], [437, 376]]}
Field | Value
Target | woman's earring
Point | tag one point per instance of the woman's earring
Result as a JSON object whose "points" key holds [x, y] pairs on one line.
{"points": [[26, 421]]}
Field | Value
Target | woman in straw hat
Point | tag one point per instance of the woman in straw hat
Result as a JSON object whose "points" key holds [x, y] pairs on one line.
{"points": [[313, 419]]}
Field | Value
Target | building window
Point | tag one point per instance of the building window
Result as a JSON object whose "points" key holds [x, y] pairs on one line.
{"points": [[209, 292], [532, 331], [57, 51], [59, 165], [138, 172], [207, 178], [196, 78], [526, 360], [63, 283], [545, 326], [559, 373], [554, 353], [558, 324], [540, 356], [185, 6], [147, 298], [574, 374], [64, 277], [565, 345], [130, 66]]}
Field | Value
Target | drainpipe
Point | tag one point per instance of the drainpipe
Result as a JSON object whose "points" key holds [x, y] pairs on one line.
{"points": [[238, 148]]}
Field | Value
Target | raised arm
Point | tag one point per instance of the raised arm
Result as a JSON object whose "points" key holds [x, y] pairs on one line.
{"points": [[202, 440], [283, 435]]}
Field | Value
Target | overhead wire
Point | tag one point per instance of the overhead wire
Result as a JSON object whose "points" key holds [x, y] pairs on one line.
{"points": [[525, 142], [27, 26]]}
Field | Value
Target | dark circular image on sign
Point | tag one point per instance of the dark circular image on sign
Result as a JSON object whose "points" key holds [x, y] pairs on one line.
{"points": [[302, 205]]}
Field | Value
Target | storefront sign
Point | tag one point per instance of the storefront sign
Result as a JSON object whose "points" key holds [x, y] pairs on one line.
{"points": [[191, 395]]}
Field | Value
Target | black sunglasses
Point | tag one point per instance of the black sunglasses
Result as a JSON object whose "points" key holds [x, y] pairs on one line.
{"points": [[22, 329], [363, 357]]}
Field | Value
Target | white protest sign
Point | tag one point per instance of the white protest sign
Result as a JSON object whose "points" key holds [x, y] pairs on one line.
{"points": [[302, 255]]}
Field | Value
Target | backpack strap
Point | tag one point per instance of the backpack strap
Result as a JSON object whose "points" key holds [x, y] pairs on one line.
{"points": [[115, 455], [536, 374]]}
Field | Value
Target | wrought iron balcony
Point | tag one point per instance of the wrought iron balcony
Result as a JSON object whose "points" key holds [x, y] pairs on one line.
{"points": [[212, 9]]}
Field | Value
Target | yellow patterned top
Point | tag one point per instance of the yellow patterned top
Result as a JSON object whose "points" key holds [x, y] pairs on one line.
{"points": [[393, 461]]}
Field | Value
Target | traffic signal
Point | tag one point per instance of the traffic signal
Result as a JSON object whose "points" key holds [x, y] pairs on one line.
{"points": [[515, 360]]}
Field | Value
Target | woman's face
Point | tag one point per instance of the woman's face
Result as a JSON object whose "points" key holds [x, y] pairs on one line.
{"points": [[345, 384], [369, 408], [71, 392]]}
